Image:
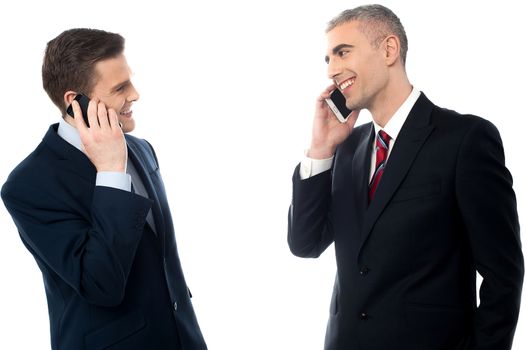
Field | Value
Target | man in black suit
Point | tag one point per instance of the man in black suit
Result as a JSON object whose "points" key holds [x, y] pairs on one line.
{"points": [[416, 203], [90, 205]]}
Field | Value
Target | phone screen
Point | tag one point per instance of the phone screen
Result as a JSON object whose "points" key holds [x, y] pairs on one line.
{"points": [[337, 105], [83, 102]]}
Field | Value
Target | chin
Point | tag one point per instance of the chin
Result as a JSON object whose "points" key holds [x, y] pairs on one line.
{"points": [[128, 126]]}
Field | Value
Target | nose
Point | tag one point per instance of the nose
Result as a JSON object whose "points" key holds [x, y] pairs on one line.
{"points": [[134, 94], [334, 68]]}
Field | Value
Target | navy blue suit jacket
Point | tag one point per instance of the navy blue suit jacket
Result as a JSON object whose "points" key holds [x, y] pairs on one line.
{"points": [[111, 282], [407, 263]]}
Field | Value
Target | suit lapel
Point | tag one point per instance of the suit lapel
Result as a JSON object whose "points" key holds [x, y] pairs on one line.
{"points": [[140, 165], [360, 165], [412, 136]]}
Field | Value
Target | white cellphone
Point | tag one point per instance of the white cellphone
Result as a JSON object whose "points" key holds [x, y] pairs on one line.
{"points": [[336, 103]]}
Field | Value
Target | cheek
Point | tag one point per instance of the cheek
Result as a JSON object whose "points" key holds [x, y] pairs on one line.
{"points": [[116, 104], [375, 72]]}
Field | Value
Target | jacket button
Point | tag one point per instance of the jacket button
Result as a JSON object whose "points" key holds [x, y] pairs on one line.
{"points": [[364, 271], [364, 316], [175, 305]]}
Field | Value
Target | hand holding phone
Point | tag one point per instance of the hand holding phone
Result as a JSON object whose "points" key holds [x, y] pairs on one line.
{"points": [[336, 103], [327, 131], [104, 142], [83, 102]]}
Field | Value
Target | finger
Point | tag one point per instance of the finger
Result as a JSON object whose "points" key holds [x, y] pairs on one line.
{"points": [[330, 88], [113, 119], [92, 113], [79, 120], [327, 92], [102, 113]]}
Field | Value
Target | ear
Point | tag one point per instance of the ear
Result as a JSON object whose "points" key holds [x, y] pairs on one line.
{"points": [[69, 96], [392, 49]]}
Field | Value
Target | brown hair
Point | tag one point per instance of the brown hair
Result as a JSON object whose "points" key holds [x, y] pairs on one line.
{"points": [[70, 58]]}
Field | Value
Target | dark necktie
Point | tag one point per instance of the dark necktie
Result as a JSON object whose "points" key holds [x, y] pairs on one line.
{"points": [[382, 147]]}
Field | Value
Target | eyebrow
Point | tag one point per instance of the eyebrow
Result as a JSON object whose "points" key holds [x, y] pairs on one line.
{"points": [[338, 48]]}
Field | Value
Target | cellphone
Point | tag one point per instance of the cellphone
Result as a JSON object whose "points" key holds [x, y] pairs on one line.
{"points": [[337, 105], [83, 102]]}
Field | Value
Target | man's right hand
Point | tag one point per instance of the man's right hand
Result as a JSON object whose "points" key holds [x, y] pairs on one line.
{"points": [[103, 141], [327, 131]]}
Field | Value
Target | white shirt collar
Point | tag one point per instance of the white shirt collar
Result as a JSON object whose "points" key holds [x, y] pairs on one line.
{"points": [[393, 126], [70, 134]]}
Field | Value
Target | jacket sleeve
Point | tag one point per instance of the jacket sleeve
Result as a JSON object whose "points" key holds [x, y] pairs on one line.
{"points": [[489, 211], [92, 254], [310, 230]]}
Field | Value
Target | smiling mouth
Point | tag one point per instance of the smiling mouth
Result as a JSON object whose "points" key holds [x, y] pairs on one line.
{"points": [[346, 83], [126, 113]]}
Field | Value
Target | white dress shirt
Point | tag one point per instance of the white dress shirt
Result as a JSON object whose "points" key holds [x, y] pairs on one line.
{"points": [[310, 167]]}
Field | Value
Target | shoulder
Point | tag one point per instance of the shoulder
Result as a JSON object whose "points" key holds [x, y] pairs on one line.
{"points": [[466, 126], [31, 177], [142, 147], [447, 120], [469, 135], [444, 116], [36, 162], [139, 144]]}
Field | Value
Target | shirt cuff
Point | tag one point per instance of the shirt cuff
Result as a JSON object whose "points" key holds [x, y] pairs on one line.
{"points": [[118, 180], [310, 167]]}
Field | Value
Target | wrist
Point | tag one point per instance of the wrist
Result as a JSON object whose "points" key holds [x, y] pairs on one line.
{"points": [[111, 168], [317, 152]]}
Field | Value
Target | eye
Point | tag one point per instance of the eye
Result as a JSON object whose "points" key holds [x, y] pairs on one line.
{"points": [[343, 53]]}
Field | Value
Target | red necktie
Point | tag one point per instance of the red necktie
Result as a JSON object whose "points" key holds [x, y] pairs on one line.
{"points": [[382, 147]]}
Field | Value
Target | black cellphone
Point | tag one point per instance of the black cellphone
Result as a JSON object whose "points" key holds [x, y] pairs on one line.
{"points": [[83, 102], [337, 105]]}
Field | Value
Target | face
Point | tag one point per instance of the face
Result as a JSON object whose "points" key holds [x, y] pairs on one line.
{"points": [[357, 68], [115, 89]]}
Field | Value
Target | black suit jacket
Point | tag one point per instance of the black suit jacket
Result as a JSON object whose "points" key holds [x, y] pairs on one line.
{"points": [[407, 263], [111, 282]]}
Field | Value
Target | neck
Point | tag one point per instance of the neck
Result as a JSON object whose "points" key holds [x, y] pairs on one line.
{"points": [[389, 100], [70, 120]]}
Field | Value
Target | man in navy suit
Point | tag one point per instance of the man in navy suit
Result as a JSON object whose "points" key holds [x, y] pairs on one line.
{"points": [[416, 203], [90, 205]]}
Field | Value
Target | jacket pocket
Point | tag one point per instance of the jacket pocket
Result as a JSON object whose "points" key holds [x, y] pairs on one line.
{"points": [[333, 309], [429, 316], [409, 192], [115, 331], [437, 327]]}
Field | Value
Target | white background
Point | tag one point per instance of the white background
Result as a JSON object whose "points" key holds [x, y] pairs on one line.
{"points": [[228, 90]]}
